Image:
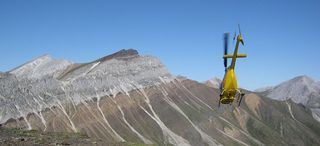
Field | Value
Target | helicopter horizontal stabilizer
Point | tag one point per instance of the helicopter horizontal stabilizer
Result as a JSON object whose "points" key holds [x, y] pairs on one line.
{"points": [[238, 56]]}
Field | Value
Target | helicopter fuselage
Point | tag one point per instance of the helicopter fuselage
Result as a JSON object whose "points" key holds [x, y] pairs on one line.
{"points": [[229, 87]]}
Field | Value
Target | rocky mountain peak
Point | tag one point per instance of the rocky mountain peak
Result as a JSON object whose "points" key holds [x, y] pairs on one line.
{"points": [[122, 54], [45, 82], [41, 66], [301, 89], [30, 64], [214, 82], [298, 89], [303, 79]]}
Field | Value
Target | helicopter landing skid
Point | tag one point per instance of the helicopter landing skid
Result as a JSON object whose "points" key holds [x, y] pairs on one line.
{"points": [[240, 96], [239, 99]]}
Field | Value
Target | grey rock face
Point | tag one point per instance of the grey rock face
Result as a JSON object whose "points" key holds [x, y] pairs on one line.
{"points": [[40, 67], [38, 84], [214, 83], [301, 89]]}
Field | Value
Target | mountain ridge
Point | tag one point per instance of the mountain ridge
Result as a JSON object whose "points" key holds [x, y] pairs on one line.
{"points": [[112, 74], [41, 66], [133, 98], [214, 82], [300, 89]]}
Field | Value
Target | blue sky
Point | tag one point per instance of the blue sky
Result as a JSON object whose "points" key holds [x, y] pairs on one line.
{"points": [[282, 38]]}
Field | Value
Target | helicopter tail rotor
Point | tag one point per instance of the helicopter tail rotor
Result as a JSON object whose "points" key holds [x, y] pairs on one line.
{"points": [[240, 34]]}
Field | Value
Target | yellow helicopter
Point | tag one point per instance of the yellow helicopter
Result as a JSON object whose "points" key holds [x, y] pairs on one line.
{"points": [[229, 87]]}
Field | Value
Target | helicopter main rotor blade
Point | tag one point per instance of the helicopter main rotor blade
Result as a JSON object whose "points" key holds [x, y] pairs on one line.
{"points": [[239, 29], [225, 52]]}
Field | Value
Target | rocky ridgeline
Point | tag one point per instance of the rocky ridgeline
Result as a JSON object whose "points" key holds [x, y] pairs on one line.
{"points": [[45, 82], [302, 90]]}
